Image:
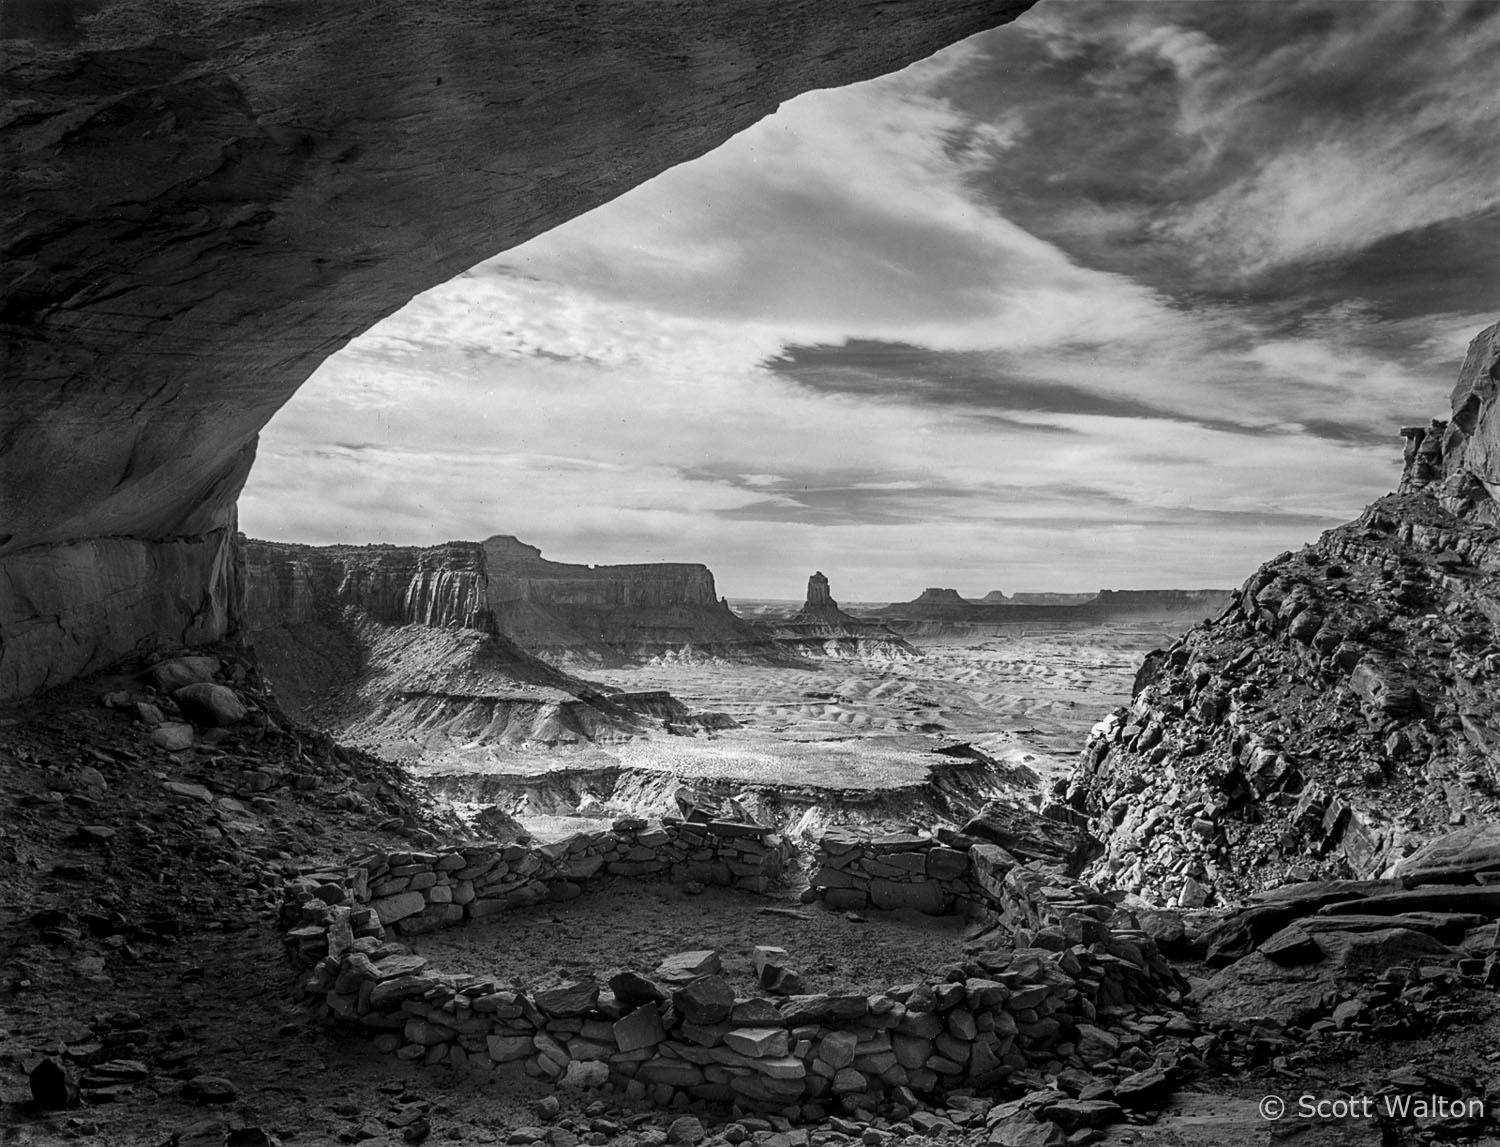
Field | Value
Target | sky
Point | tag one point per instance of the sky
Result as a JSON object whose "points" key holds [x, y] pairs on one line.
{"points": [[1123, 294]]}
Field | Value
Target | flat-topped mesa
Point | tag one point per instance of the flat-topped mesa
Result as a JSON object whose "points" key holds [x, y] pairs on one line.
{"points": [[935, 594], [610, 615], [519, 573], [945, 606]]}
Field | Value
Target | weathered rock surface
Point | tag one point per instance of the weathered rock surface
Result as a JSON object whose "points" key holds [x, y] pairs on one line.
{"points": [[1342, 710], [397, 648], [610, 615], [206, 201]]}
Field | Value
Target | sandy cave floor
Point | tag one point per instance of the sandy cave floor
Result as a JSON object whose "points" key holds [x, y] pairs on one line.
{"points": [[635, 925]]}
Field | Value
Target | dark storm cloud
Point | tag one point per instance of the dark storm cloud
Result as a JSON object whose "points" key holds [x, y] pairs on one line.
{"points": [[1250, 152], [985, 382]]}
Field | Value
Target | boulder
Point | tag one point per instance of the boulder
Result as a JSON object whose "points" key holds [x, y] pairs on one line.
{"points": [[707, 1000], [685, 966], [208, 704], [1144, 1089], [173, 736], [1024, 1129], [173, 674]]}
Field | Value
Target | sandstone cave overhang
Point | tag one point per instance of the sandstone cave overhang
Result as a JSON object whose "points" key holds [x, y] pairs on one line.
{"points": [[207, 202]]}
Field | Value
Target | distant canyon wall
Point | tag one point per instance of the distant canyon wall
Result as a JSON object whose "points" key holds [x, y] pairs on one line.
{"points": [[398, 649], [946, 605], [207, 199], [610, 615]]}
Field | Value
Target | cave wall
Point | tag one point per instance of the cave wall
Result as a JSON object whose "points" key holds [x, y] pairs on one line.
{"points": [[205, 200]]}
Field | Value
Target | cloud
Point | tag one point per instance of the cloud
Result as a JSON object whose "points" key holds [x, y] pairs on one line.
{"points": [[1122, 294]]}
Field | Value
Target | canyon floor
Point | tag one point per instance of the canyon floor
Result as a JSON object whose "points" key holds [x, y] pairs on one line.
{"points": [[1026, 697]]}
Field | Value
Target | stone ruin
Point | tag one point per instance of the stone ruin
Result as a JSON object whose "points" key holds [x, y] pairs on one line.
{"points": [[1059, 980]]}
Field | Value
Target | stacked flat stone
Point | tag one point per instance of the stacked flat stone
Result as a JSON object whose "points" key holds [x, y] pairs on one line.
{"points": [[417, 892], [1062, 1002], [894, 870]]}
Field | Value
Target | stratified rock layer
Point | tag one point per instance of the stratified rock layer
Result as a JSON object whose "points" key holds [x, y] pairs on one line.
{"points": [[610, 615], [206, 199], [1342, 711], [396, 648]]}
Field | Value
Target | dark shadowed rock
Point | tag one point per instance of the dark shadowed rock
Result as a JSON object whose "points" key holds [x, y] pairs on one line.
{"points": [[706, 1000], [54, 1086], [633, 989], [1256, 986], [1031, 836], [209, 704]]}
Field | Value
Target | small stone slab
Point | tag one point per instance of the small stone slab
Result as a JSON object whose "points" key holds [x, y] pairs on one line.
{"points": [[1075, 1114], [183, 793], [641, 1028], [823, 1009], [1144, 1089], [758, 1042], [686, 966], [398, 907], [633, 989], [707, 1000], [568, 1000], [507, 1048], [1292, 946]]}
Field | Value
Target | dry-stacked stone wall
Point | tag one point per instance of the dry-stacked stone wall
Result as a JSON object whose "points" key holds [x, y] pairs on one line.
{"points": [[1053, 997], [908, 870]]}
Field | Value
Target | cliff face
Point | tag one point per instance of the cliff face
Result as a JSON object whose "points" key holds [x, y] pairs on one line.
{"points": [[609, 615], [396, 649], [206, 199], [1344, 709]]}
